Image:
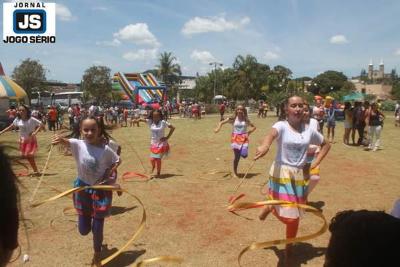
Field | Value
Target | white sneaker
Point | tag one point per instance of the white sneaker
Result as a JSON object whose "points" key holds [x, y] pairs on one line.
{"points": [[375, 149]]}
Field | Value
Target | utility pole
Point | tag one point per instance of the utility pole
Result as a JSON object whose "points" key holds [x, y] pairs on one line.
{"points": [[215, 64]]}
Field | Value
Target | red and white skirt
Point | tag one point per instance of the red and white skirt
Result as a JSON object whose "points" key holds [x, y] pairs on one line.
{"points": [[28, 146]]}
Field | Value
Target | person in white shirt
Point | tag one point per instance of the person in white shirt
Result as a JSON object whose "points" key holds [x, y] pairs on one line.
{"points": [[319, 115], [159, 146], [70, 117], [96, 162], [240, 135], [92, 110], [28, 128], [288, 175]]}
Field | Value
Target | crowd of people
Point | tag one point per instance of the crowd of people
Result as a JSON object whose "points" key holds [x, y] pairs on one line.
{"points": [[362, 118], [301, 148]]}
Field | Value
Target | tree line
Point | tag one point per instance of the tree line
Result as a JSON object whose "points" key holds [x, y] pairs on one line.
{"points": [[246, 79]]}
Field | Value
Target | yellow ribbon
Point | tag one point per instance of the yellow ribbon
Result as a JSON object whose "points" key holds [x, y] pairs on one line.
{"points": [[134, 236], [170, 259], [42, 175], [261, 245]]}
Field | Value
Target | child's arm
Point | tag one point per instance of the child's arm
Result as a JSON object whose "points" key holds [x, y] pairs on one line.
{"points": [[139, 120], [10, 127], [264, 148], [321, 155], [171, 130], [34, 133], [253, 128], [220, 125], [58, 139]]}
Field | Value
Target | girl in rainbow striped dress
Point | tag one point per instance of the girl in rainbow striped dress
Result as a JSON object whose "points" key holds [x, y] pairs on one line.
{"points": [[240, 135], [288, 175], [159, 146]]}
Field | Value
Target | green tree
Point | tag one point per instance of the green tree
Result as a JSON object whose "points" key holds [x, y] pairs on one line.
{"points": [[204, 88], [329, 81], [96, 83], [393, 75], [282, 73], [396, 90], [364, 76], [169, 71], [244, 69], [250, 77], [29, 74]]}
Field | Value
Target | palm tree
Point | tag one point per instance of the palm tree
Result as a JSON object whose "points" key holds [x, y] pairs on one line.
{"points": [[168, 70], [245, 68]]}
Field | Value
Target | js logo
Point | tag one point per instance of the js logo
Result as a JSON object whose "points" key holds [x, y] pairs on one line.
{"points": [[29, 21]]}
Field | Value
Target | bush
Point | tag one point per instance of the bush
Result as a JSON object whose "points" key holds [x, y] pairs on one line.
{"points": [[388, 105]]}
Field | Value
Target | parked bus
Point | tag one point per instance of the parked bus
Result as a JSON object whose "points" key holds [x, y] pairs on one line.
{"points": [[69, 98], [43, 98]]}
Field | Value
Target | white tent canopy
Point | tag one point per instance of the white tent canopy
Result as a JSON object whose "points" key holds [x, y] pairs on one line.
{"points": [[219, 97]]}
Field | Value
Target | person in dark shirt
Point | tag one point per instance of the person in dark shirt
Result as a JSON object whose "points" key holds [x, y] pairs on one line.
{"points": [[9, 210]]}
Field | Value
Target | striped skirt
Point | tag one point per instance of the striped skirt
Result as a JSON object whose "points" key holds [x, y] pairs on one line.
{"points": [[92, 202], [159, 150], [288, 184], [240, 142]]}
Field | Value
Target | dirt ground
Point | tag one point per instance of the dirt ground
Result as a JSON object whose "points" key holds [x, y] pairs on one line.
{"points": [[186, 209]]}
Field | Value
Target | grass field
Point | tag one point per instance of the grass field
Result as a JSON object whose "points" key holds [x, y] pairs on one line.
{"points": [[186, 209]]}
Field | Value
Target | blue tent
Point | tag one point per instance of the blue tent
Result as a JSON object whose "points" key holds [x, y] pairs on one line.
{"points": [[355, 96]]}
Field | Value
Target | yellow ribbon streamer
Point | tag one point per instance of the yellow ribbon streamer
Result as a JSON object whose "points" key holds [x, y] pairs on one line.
{"points": [[42, 175], [134, 236], [169, 259], [261, 245]]}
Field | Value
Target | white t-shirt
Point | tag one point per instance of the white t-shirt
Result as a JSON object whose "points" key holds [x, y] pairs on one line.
{"points": [[92, 110], [92, 161], [157, 130], [35, 113], [293, 145], [313, 124], [26, 127], [113, 145], [70, 112], [318, 112], [239, 127]]}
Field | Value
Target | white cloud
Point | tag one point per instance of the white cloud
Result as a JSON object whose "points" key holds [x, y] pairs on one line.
{"points": [[212, 24], [338, 39], [204, 57], [113, 43], [63, 12], [141, 54], [397, 53], [269, 55], [138, 33]]}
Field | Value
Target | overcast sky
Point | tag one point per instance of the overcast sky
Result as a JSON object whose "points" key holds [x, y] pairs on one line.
{"points": [[308, 36]]}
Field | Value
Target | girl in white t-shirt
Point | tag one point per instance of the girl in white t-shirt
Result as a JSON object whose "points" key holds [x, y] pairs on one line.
{"points": [[287, 176], [96, 162], [159, 146], [28, 128], [240, 135]]}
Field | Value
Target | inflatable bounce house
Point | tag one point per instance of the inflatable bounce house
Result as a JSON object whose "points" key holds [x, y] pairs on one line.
{"points": [[141, 89]]}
